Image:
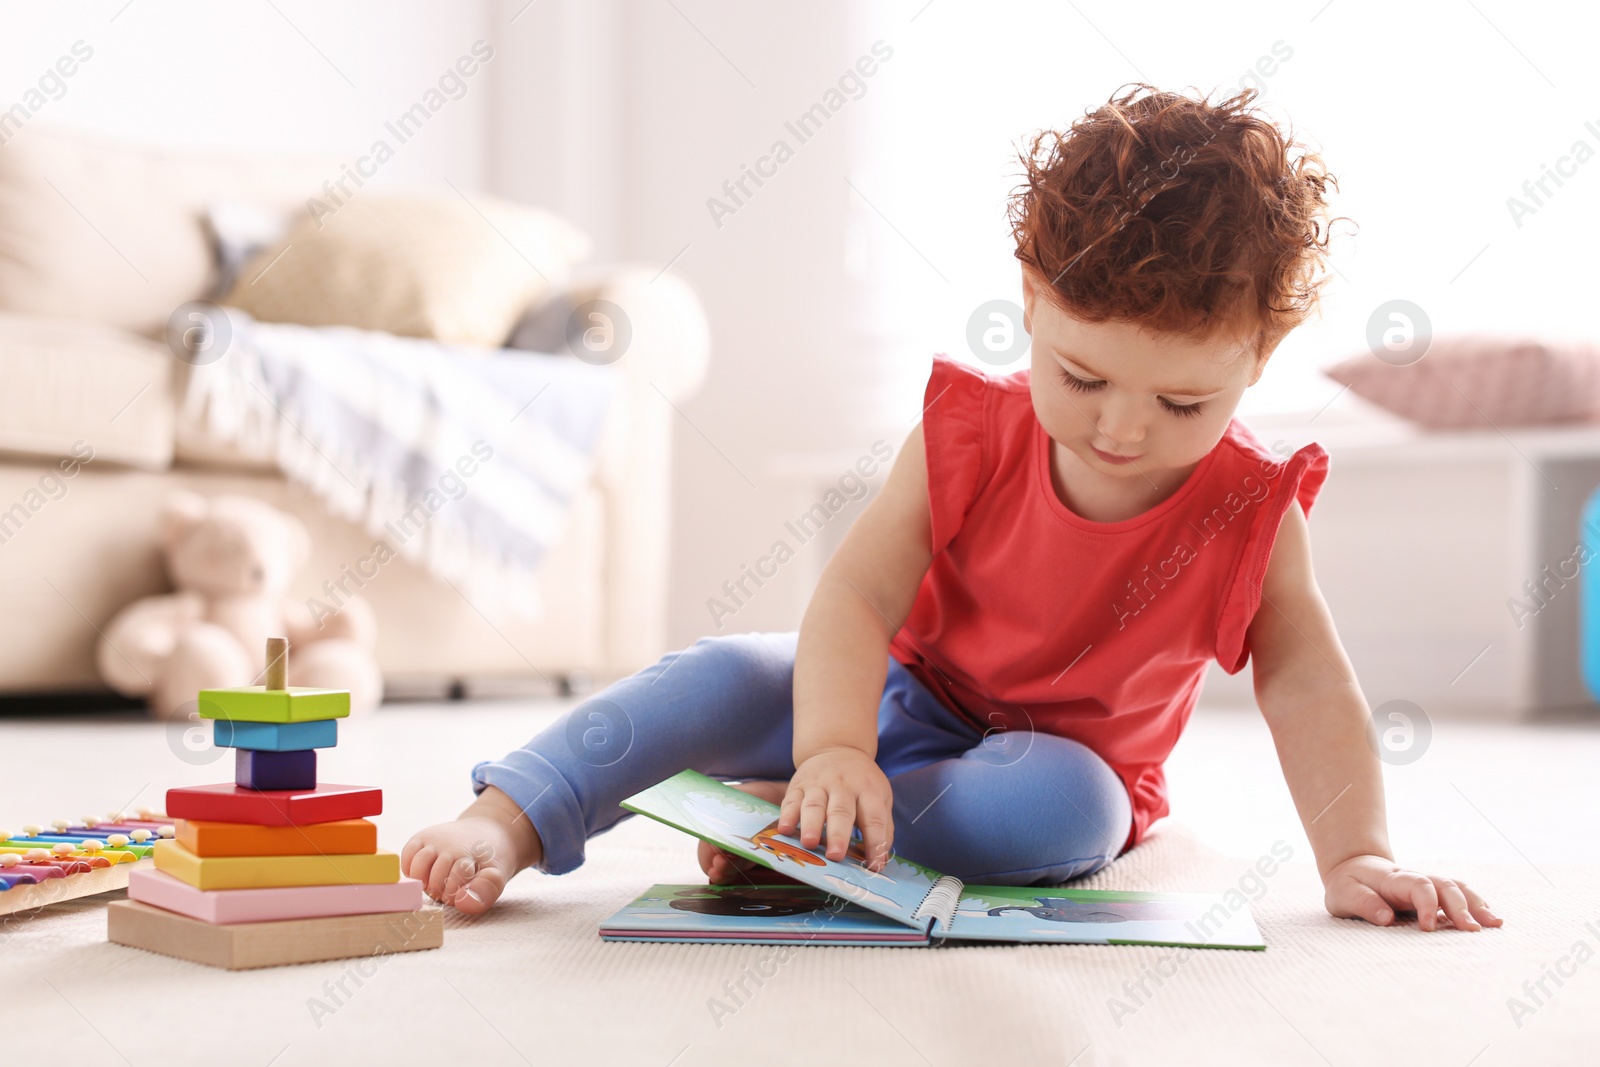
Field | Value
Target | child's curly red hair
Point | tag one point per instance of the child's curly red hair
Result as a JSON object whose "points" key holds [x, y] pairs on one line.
{"points": [[1176, 214]]}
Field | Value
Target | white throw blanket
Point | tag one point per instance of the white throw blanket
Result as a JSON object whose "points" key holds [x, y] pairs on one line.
{"points": [[461, 459]]}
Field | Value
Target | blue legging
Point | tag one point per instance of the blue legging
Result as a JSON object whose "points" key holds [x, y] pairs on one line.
{"points": [[1016, 808]]}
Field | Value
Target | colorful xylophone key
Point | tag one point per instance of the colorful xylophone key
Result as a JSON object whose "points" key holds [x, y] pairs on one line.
{"points": [[109, 844], [35, 861], [63, 853], [75, 858]]}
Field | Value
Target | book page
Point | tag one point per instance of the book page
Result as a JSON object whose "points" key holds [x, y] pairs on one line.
{"points": [[759, 913], [1101, 916], [745, 825]]}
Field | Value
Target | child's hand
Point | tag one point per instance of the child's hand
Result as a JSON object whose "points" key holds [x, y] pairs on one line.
{"points": [[840, 788], [1374, 888]]}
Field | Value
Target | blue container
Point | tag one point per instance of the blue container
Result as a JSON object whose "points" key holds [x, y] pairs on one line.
{"points": [[1589, 597]]}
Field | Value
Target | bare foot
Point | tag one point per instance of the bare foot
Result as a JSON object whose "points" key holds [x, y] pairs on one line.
{"points": [[467, 863], [726, 868]]}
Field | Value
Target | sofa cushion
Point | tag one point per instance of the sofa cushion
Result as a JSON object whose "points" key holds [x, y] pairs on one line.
{"points": [[70, 380], [97, 229], [1475, 381], [420, 266]]}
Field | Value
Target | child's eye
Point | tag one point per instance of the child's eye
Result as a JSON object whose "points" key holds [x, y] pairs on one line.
{"points": [[1082, 385]]}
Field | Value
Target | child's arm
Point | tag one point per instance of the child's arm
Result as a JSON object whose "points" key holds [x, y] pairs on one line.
{"points": [[865, 593], [1308, 693]]}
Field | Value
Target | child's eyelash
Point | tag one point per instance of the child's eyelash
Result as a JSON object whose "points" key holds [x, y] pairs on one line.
{"points": [[1083, 385], [1184, 410]]}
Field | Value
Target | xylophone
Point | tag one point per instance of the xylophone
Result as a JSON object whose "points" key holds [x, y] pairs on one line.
{"points": [[42, 866]]}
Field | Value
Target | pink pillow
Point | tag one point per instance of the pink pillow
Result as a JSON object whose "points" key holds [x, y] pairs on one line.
{"points": [[1479, 382]]}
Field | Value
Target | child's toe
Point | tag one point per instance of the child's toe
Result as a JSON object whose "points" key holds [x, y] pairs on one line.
{"points": [[460, 873], [420, 865], [480, 893], [438, 875]]}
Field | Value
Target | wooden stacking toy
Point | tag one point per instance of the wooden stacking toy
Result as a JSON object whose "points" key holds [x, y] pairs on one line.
{"points": [[274, 867]]}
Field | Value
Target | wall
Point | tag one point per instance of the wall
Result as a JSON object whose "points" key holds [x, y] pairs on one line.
{"points": [[292, 76], [711, 88], [558, 121]]}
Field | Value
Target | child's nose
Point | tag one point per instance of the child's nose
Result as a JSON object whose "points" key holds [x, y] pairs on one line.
{"points": [[1120, 425]]}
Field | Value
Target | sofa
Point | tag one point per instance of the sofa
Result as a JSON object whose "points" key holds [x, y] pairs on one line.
{"points": [[99, 243]]}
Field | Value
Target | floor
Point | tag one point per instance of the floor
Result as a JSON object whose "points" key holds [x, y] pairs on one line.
{"points": [[531, 983]]}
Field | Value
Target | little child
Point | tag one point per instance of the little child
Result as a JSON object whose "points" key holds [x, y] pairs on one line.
{"points": [[1009, 641]]}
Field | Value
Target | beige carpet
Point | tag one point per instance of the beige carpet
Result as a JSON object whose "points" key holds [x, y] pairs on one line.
{"points": [[531, 983]]}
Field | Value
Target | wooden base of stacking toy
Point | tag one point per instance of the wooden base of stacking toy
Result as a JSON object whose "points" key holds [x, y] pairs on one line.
{"points": [[242, 946]]}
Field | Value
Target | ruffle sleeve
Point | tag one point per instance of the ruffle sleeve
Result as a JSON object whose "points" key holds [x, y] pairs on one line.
{"points": [[1299, 479], [954, 408]]}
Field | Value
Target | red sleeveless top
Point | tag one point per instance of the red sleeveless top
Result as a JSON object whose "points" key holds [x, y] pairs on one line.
{"points": [[1032, 616]]}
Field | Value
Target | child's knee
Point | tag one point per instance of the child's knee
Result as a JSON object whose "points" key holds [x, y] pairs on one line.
{"points": [[1093, 792], [742, 657], [1085, 840], [1080, 811]]}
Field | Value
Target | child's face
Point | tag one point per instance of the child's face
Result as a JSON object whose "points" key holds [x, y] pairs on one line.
{"points": [[1159, 401]]}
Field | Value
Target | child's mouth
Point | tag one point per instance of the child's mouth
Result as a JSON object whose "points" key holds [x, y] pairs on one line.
{"points": [[1108, 457]]}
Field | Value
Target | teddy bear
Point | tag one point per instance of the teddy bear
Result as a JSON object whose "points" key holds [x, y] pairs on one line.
{"points": [[231, 559]]}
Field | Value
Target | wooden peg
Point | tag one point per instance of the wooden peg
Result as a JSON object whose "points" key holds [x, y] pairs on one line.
{"points": [[277, 663]]}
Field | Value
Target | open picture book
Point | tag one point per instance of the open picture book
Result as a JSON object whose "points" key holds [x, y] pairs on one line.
{"points": [[844, 903]]}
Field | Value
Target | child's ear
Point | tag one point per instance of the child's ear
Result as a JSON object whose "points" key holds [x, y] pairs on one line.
{"points": [[1261, 368]]}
